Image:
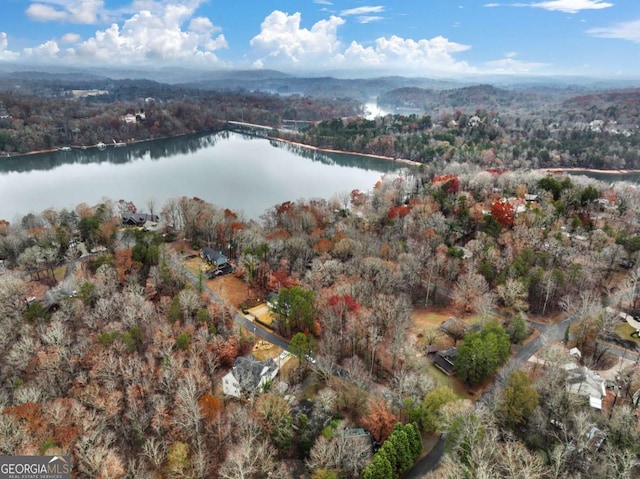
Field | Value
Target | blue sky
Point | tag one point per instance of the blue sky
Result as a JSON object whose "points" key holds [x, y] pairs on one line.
{"points": [[440, 38]]}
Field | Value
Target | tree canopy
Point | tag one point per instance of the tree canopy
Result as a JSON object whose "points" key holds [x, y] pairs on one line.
{"points": [[482, 353]]}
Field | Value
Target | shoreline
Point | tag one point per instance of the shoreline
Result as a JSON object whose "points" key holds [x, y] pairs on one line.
{"points": [[553, 170], [342, 152], [588, 170], [283, 140], [106, 145]]}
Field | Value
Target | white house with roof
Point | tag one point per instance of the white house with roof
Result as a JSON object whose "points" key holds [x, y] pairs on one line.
{"points": [[248, 376], [583, 382], [580, 380]]}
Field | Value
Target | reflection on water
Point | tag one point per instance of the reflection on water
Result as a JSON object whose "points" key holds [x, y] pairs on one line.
{"points": [[155, 150], [227, 169], [166, 148], [339, 159]]}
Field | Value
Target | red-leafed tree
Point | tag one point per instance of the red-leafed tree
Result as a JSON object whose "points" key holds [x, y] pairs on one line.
{"points": [[449, 183], [210, 407], [379, 420], [343, 304], [503, 213], [398, 212], [357, 198]]}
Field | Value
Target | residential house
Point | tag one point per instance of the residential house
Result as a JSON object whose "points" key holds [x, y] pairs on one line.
{"points": [[445, 360], [214, 257], [134, 118], [359, 440], [519, 204], [272, 300], [621, 315], [139, 219], [457, 329], [55, 297], [595, 438], [248, 376], [474, 121], [579, 380], [583, 382]]}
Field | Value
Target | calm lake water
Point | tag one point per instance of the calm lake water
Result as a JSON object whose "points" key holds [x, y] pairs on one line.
{"points": [[227, 169]]}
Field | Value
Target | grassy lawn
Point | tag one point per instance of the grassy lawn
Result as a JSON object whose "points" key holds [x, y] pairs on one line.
{"points": [[195, 265], [263, 314], [624, 330], [59, 272], [428, 318], [264, 350], [441, 379]]}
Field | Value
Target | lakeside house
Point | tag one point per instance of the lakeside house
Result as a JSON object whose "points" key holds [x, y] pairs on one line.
{"points": [[139, 219]]}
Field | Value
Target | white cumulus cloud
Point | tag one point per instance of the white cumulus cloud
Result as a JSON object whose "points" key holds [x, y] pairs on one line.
{"points": [[169, 33], [70, 38], [73, 11], [148, 36], [282, 38], [47, 49], [424, 55], [624, 31], [5, 53], [284, 43]]}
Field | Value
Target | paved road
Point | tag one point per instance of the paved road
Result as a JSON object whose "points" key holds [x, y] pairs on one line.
{"points": [[548, 332], [429, 462], [237, 317]]}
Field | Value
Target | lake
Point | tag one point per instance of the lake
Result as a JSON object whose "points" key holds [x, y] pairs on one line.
{"points": [[227, 169], [629, 177]]}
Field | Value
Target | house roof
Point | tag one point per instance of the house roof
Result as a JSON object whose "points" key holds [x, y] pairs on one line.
{"points": [[584, 382], [214, 256], [431, 349], [249, 372], [272, 299], [139, 218], [453, 325], [55, 296], [445, 360]]}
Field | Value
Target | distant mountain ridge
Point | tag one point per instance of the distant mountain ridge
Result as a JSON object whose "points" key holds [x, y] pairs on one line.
{"points": [[487, 97], [394, 93]]}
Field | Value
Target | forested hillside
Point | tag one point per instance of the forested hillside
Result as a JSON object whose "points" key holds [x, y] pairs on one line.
{"points": [[52, 116], [599, 131], [524, 127], [118, 357]]}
